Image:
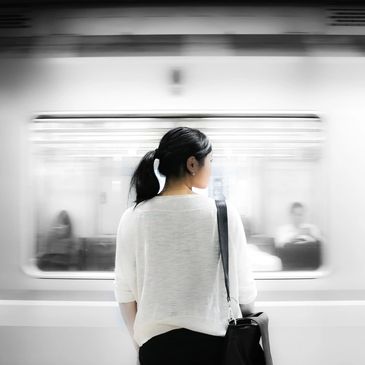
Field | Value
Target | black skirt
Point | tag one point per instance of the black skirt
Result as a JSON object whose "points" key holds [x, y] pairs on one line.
{"points": [[182, 347]]}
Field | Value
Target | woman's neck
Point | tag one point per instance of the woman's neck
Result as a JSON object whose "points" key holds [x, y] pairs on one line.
{"points": [[176, 189], [175, 192]]}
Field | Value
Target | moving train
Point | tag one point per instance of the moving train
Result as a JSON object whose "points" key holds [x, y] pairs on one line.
{"points": [[86, 92]]}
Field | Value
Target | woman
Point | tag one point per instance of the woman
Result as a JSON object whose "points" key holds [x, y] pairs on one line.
{"points": [[169, 280]]}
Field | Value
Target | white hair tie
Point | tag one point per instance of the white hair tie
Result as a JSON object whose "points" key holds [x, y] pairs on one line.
{"points": [[156, 163]]}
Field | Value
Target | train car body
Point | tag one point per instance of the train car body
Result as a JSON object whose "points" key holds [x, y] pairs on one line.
{"points": [[315, 318]]}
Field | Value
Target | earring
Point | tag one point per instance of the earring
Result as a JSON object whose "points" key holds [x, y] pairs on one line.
{"points": [[193, 173]]}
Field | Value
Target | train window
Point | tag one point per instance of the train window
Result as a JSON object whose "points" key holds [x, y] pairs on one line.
{"points": [[271, 166]]}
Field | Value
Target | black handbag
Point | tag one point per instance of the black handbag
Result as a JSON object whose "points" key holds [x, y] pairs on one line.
{"points": [[242, 339]]}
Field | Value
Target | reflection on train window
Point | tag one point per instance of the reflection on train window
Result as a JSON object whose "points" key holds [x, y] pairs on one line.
{"points": [[270, 166]]}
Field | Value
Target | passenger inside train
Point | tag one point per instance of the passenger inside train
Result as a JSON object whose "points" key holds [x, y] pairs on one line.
{"points": [[298, 243], [61, 251], [297, 231]]}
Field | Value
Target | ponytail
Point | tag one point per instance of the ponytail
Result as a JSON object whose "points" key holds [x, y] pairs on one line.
{"points": [[144, 179]]}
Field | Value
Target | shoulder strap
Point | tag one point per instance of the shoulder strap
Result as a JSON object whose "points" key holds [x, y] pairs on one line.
{"points": [[223, 240], [260, 318]]}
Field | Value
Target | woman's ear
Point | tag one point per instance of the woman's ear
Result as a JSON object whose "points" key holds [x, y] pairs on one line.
{"points": [[191, 163]]}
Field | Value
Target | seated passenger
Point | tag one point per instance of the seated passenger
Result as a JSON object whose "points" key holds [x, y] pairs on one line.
{"points": [[60, 251], [298, 244], [297, 231]]}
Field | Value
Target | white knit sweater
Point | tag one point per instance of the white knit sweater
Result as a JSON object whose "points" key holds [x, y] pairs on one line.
{"points": [[168, 261]]}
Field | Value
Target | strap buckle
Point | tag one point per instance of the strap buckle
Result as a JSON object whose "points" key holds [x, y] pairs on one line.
{"points": [[230, 313]]}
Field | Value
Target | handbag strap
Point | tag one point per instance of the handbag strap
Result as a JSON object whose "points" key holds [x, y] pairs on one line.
{"points": [[222, 220], [260, 318]]}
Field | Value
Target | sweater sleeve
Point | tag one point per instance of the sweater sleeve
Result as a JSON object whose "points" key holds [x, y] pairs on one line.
{"points": [[125, 268], [247, 285]]}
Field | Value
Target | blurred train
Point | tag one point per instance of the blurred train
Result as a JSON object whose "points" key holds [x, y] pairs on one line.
{"points": [[85, 93]]}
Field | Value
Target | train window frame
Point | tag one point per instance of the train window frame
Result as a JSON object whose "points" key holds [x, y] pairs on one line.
{"points": [[169, 120]]}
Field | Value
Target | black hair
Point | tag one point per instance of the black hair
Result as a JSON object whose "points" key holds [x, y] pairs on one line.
{"points": [[295, 205], [175, 147]]}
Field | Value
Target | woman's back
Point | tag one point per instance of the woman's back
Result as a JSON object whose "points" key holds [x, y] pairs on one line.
{"points": [[168, 261]]}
